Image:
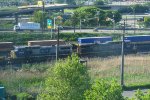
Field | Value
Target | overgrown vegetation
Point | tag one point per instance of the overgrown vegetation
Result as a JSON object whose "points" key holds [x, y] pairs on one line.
{"points": [[67, 80], [22, 38], [103, 90], [137, 8], [27, 78], [6, 25], [9, 9], [139, 95], [136, 70], [68, 77], [40, 17], [93, 16], [147, 21]]}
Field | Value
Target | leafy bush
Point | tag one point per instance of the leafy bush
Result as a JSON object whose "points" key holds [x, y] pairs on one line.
{"points": [[137, 7], [139, 95], [68, 80], [99, 2], [140, 8], [147, 21], [24, 96], [125, 10], [103, 90]]}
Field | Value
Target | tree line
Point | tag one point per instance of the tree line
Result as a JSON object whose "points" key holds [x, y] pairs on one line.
{"points": [[88, 16]]}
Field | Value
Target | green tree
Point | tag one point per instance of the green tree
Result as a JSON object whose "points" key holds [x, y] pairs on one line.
{"points": [[140, 8], [103, 90], [115, 15], [99, 2], [67, 80], [88, 15], [40, 17], [66, 1], [126, 10], [60, 1], [147, 4], [92, 16], [147, 21]]}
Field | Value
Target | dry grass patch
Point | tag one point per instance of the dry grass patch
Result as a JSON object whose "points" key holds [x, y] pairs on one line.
{"points": [[27, 78], [16, 81], [137, 68]]}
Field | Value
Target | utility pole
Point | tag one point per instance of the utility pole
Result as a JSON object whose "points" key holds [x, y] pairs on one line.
{"points": [[57, 46], [134, 17], [16, 18], [134, 21], [54, 23], [114, 22], [122, 57], [43, 8], [97, 16], [80, 25]]}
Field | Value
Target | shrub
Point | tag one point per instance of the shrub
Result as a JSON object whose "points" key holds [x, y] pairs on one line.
{"points": [[139, 95], [24, 96], [147, 21], [99, 2], [68, 80], [140, 8], [103, 90], [125, 10]]}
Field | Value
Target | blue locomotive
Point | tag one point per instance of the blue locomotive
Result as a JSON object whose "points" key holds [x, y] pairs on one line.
{"points": [[39, 53]]}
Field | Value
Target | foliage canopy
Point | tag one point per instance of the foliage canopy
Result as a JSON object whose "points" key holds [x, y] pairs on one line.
{"points": [[147, 21], [67, 80], [40, 17], [102, 90], [92, 16]]}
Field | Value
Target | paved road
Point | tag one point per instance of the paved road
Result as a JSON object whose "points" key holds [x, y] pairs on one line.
{"points": [[105, 31], [90, 31], [130, 93]]}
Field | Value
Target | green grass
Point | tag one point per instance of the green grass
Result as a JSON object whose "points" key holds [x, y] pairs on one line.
{"points": [[30, 77], [6, 24], [68, 10], [8, 9], [22, 37], [131, 16], [136, 70]]}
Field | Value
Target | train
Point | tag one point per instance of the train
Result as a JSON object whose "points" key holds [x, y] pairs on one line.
{"points": [[35, 51], [43, 50]]}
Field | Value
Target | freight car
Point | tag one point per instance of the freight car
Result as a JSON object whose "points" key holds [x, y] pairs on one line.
{"points": [[138, 38], [45, 42], [133, 44], [105, 49], [94, 40]]}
